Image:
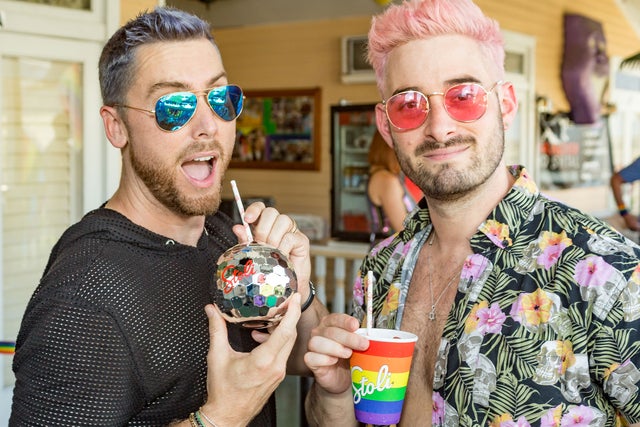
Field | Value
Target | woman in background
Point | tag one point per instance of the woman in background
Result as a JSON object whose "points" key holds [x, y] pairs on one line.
{"points": [[389, 200]]}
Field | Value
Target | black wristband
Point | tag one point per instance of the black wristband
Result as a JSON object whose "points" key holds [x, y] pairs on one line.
{"points": [[312, 294]]}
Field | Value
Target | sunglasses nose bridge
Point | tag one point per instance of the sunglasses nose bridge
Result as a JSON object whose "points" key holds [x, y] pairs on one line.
{"points": [[197, 99], [203, 98], [429, 95], [444, 103]]}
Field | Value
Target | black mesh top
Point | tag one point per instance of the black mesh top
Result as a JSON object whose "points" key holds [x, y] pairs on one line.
{"points": [[115, 333]]}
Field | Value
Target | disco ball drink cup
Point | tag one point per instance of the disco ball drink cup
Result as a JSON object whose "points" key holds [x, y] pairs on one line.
{"points": [[254, 281], [379, 375]]}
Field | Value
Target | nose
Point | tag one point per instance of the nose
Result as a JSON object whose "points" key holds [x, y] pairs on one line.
{"points": [[438, 125], [205, 122]]}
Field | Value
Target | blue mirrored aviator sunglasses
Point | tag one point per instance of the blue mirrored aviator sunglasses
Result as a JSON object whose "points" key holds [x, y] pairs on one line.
{"points": [[174, 110]]}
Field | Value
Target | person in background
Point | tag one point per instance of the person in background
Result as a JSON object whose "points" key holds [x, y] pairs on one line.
{"points": [[525, 308], [116, 331], [388, 199], [412, 189], [627, 175]]}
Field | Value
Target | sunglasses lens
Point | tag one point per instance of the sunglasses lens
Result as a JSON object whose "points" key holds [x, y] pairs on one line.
{"points": [[175, 109], [466, 102], [226, 101], [407, 110]]}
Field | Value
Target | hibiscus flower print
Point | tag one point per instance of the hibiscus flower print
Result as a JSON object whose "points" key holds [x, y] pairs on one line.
{"points": [[552, 245], [506, 420], [471, 324], [391, 301], [490, 319], [532, 309], [552, 417], [497, 232], [437, 415], [549, 238], [473, 267], [578, 416], [520, 422], [564, 350], [549, 256], [498, 420], [358, 291], [526, 183], [593, 271]]}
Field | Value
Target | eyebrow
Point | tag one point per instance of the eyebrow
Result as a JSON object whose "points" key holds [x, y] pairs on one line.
{"points": [[181, 85], [447, 83]]}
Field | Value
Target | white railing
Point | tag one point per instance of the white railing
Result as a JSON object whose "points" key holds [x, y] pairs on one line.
{"points": [[334, 269]]}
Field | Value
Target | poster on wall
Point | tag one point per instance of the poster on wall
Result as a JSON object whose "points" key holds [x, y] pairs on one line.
{"points": [[279, 129]]}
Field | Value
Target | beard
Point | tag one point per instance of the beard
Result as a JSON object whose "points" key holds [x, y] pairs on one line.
{"points": [[445, 182], [162, 183]]}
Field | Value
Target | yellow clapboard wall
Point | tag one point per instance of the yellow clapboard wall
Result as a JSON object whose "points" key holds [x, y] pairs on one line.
{"points": [[307, 54]]}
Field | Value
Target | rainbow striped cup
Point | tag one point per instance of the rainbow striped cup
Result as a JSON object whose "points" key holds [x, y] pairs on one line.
{"points": [[379, 375]]}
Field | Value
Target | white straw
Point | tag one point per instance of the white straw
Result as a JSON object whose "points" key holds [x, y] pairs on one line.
{"points": [[236, 195], [369, 301]]}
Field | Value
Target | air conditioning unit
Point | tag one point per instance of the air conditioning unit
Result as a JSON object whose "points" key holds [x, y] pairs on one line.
{"points": [[355, 68]]}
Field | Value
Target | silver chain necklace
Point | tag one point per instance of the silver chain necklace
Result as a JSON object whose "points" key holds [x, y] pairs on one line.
{"points": [[456, 273]]}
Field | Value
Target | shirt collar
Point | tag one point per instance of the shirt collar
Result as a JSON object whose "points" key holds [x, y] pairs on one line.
{"points": [[506, 219]]}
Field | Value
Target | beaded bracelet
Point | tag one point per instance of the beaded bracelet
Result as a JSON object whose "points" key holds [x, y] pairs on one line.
{"points": [[312, 294], [195, 422], [623, 212]]}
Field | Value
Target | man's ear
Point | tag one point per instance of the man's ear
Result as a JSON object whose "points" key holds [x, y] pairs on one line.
{"points": [[383, 124], [508, 104], [114, 127]]}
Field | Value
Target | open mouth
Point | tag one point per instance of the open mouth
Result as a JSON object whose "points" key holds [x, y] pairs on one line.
{"points": [[200, 168]]}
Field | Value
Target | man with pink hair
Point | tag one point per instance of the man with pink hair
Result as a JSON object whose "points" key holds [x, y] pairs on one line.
{"points": [[526, 310]]}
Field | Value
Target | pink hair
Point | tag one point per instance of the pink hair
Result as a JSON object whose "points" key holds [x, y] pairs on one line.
{"points": [[420, 19]]}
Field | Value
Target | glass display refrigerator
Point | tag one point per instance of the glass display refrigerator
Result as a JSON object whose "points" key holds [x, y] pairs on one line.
{"points": [[352, 127]]}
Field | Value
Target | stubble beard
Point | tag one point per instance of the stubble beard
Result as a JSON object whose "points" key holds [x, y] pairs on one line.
{"points": [[446, 182], [162, 183]]}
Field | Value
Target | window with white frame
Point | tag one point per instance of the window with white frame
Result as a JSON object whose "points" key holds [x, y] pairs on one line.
{"points": [[53, 166]]}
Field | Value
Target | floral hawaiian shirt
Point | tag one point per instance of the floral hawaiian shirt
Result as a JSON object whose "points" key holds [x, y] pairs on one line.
{"points": [[545, 327]]}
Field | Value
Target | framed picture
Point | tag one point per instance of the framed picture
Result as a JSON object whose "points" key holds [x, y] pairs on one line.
{"points": [[279, 129]]}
